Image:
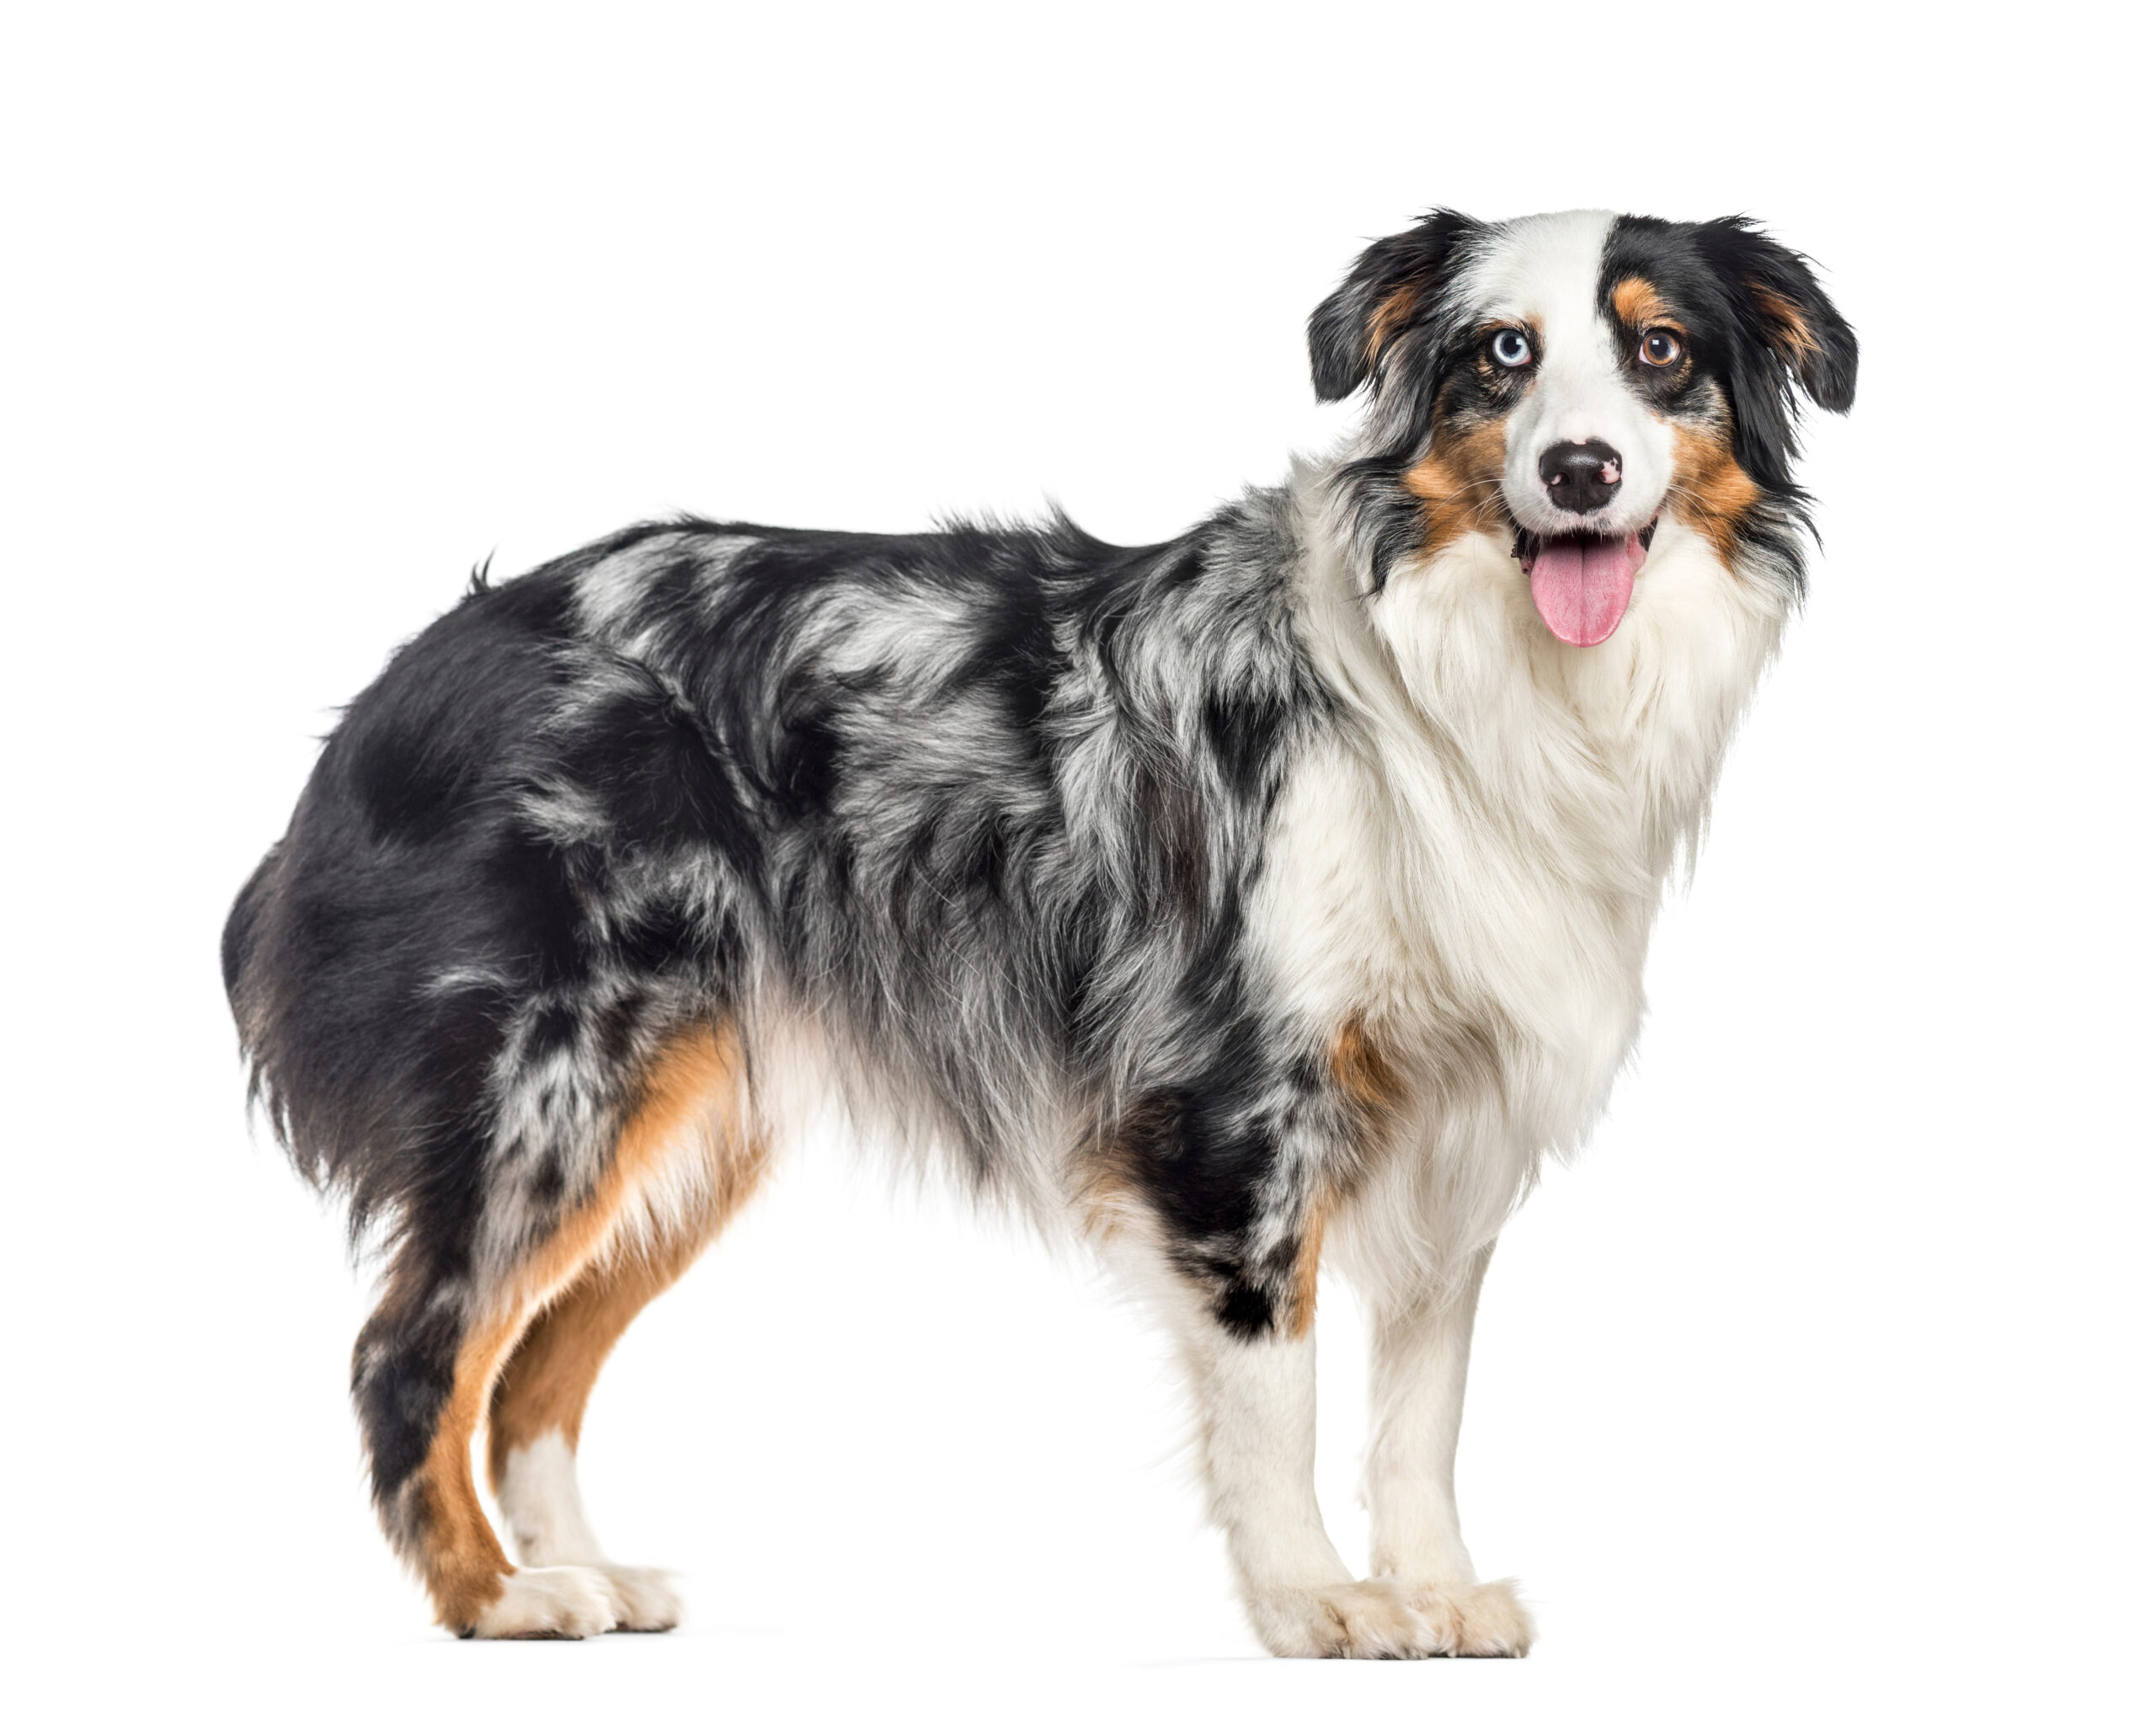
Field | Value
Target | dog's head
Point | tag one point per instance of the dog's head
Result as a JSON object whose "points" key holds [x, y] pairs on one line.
{"points": [[1564, 383]]}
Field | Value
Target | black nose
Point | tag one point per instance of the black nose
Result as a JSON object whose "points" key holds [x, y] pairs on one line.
{"points": [[1581, 476]]}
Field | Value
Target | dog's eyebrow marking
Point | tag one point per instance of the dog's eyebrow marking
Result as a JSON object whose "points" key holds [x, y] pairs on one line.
{"points": [[1637, 304]]}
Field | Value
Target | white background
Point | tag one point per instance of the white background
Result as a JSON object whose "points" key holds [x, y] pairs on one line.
{"points": [[1821, 1383]]}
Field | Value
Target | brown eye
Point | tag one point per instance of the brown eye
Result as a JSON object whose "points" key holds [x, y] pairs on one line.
{"points": [[1660, 348]]}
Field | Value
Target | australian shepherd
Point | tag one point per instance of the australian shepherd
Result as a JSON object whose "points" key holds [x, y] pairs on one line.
{"points": [[1274, 895]]}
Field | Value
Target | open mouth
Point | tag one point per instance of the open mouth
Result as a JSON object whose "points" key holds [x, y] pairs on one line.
{"points": [[1581, 581]]}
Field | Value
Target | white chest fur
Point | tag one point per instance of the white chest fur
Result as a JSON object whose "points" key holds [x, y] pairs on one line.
{"points": [[1470, 868]]}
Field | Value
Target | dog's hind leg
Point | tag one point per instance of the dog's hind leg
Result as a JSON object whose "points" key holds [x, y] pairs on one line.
{"points": [[681, 1157], [538, 1412]]}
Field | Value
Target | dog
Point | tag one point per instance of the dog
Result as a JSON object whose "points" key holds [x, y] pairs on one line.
{"points": [[1281, 891]]}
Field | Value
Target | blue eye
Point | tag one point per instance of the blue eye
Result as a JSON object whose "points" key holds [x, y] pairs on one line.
{"points": [[1510, 348]]}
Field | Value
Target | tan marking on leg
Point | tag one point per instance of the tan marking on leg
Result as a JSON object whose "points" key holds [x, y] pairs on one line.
{"points": [[1374, 1091], [1363, 1073], [1302, 1297], [1709, 490], [548, 1379], [1458, 483], [460, 1560], [696, 1078]]}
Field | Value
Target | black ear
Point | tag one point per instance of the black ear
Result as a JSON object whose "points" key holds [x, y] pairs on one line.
{"points": [[1391, 285], [1785, 310]]}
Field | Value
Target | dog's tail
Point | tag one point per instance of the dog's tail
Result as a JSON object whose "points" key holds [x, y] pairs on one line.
{"points": [[301, 1063]]}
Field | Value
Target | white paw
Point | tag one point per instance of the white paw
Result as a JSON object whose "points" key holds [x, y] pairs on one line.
{"points": [[644, 1601], [1487, 1621], [563, 1604], [1352, 1620]]}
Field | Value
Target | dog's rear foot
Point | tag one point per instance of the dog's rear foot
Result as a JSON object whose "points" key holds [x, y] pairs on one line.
{"points": [[1487, 1621]]}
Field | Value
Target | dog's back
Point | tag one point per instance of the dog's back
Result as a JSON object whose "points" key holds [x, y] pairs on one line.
{"points": [[1284, 884]]}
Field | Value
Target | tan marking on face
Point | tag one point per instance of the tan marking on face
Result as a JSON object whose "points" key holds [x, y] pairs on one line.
{"points": [[1638, 305], [692, 1091], [1708, 489], [1389, 317], [1461, 483]]}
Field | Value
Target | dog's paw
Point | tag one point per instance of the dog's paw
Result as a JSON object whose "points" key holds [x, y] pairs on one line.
{"points": [[567, 1603], [644, 1601], [1487, 1621], [1352, 1620]]}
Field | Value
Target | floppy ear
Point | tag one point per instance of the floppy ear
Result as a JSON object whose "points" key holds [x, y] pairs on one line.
{"points": [[1781, 299], [1389, 287]]}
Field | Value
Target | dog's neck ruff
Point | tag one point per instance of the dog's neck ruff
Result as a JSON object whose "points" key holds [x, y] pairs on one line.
{"points": [[1452, 682], [1474, 853]]}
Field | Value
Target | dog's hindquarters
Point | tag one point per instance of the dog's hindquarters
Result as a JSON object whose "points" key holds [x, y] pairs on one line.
{"points": [[502, 1026]]}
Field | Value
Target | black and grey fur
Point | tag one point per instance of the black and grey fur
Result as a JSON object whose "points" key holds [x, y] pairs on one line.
{"points": [[988, 818]]}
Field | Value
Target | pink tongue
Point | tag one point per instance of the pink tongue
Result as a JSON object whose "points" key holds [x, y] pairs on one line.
{"points": [[1581, 586]]}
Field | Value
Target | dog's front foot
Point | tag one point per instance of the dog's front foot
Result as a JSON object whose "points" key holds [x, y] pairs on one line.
{"points": [[644, 1601], [1484, 1621], [566, 1603], [1348, 1620]]}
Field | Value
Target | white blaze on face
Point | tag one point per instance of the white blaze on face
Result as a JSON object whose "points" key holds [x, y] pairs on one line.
{"points": [[1544, 271]]}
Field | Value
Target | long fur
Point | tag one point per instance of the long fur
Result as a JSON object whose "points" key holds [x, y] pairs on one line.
{"points": [[1282, 887]]}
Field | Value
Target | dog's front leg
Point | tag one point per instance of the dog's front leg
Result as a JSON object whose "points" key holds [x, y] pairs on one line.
{"points": [[1418, 1384], [1257, 1433]]}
